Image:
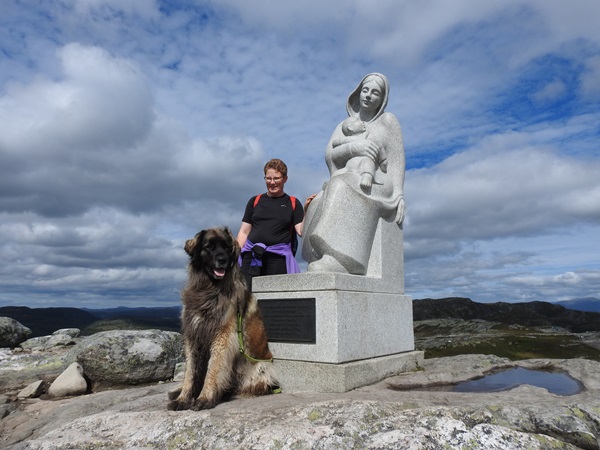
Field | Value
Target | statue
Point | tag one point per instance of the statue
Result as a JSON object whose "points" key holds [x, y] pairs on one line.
{"points": [[366, 162]]}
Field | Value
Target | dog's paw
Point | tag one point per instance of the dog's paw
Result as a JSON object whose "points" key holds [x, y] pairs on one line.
{"points": [[204, 403], [179, 405], [174, 393]]}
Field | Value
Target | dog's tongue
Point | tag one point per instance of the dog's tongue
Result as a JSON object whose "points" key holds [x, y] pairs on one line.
{"points": [[219, 272]]}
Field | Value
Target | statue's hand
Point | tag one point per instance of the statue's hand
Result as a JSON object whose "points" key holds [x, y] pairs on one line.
{"points": [[400, 211], [364, 147]]}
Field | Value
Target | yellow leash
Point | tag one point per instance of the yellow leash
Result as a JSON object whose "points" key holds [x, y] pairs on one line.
{"points": [[276, 390], [241, 342]]}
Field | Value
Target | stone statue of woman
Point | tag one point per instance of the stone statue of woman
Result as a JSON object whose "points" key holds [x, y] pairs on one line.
{"points": [[342, 219]]}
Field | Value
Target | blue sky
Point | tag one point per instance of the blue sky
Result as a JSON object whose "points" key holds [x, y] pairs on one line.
{"points": [[126, 127]]}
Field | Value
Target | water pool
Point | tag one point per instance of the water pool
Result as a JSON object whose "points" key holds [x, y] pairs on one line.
{"points": [[558, 383]]}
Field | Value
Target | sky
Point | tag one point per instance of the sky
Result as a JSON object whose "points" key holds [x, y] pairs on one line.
{"points": [[128, 126]]}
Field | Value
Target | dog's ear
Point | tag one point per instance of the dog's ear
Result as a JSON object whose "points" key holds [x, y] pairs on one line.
{"points": [[191, 244], [236, 250], [235, 247]]}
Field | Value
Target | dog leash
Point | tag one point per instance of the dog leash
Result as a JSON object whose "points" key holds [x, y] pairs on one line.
{"points": [[275, 390], [241, 342]]}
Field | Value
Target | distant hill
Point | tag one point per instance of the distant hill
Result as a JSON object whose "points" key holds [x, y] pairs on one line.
{"points": [[531, 314], [45, 321], [158, 313], [590, 304], [165, 318]]}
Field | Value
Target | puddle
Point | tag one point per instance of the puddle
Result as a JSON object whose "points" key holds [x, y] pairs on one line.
{"points": [[555, 382]]}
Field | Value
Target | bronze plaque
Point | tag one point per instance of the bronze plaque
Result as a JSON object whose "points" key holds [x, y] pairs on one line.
{"points": [[291, 320]]}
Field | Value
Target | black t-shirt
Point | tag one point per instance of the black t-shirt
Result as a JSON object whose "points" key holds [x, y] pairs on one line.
{"points": [[272, 219]]}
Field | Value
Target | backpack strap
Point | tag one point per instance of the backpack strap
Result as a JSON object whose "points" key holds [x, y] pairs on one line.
{"points": [[294, 241], [293, 200]]}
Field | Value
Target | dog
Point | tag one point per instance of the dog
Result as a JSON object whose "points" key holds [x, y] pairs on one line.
{"points": [[225, 341]]}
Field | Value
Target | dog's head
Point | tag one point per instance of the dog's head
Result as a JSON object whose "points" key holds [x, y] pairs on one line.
{"points": [[214, 251]]}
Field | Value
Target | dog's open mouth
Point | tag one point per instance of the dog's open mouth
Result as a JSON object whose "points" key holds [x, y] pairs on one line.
{"points": [[219, 273]]}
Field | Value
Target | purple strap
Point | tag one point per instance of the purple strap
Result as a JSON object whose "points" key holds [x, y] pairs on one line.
{"points": [[278, 249]]}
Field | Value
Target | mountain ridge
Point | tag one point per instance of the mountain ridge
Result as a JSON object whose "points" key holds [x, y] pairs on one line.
{"points": [[531, 314], [590, 304], [44, 321]]}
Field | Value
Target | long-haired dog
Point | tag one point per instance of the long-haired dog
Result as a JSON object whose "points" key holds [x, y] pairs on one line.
{"points": [[225, 340]]}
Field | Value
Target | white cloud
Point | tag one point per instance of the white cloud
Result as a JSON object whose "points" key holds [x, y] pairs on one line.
{"points": [[126, 127], [590, 78], [504, 186], [554, 90], [102, 102], [146, 9], [471, 217], [94, 139]]}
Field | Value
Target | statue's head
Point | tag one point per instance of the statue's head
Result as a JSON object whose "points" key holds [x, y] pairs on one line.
{"points": [[377, 79], [373, 79]]}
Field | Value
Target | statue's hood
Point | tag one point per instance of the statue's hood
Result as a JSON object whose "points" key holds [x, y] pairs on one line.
{"points": [[353, 105]]}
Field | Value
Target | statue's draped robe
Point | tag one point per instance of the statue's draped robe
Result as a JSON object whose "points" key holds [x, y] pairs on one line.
{"points": [[342, 219]]}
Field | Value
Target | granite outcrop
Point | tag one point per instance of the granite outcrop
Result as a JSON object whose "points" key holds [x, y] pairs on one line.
{"points": [[416, 410]]}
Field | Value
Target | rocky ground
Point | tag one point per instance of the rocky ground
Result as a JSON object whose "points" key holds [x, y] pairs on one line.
{"points": [[405, 412], [415, 410]]}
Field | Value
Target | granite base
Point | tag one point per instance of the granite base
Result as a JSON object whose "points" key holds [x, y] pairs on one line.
{"points": [[303, 376]]}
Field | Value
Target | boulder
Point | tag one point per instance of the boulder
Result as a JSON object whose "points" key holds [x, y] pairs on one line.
{"points": [[61, 339], [36, 343], [12, 333], [70, 382], [45, 343], [73, 332], [34, 390], [18, 369], [121, 357]]}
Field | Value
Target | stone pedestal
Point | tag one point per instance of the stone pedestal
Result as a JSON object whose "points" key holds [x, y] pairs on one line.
{"points": [[364, 324], [362, 337], [352, 323]]}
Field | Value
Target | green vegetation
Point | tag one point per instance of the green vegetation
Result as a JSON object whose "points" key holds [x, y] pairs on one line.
{"points": [[314, 415], [518, 346], [123, 324]]}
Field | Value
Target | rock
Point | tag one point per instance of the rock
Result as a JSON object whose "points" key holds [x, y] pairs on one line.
{"points": [[39, 343], [73, 332], [18, 369], [66, 336], [179, 373], [12, 333], [34, 390], [375, 416], [70, 382], [126, 357], [6, 406], [130, 357], [61, 339]]}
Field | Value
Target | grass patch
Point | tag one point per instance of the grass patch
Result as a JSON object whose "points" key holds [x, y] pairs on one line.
{"points": [[122, 324], [516, 347]]}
